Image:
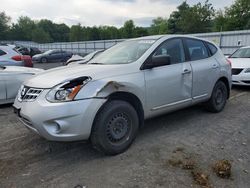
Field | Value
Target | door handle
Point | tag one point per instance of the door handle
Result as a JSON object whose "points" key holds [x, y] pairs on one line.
{"points": [[186, 71], [215, 66]]}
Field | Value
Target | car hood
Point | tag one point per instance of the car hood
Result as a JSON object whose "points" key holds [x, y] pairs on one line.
{"points": [[240, 62], [23, 69], [53, 77]]}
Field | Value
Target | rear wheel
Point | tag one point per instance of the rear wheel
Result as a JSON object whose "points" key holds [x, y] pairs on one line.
{"points": [[115, 127], [218, 99]]}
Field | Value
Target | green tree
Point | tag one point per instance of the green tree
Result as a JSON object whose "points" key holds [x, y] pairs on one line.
{"points": [[238, 15], [176, 17], [108, 32], [40, 36], [141, 31], [220, 21], [76, 33], [22, 30], [61, 33], [159, 26], [192, 19], [128, 29], [4, 27]]}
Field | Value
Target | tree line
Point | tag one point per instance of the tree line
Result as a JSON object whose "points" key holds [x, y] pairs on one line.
{"points": [[187, 18]]}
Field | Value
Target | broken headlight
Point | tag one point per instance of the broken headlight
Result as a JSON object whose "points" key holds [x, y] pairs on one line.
{"points": [[67, 91]]}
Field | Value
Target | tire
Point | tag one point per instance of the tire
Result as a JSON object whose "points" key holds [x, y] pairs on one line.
{"points": [[44, 60], [218, 98], [65, 59], [115, 127]]}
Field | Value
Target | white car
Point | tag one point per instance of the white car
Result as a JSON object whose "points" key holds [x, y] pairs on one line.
{"points": [[241, 66], [11, 79], [10, 57]]}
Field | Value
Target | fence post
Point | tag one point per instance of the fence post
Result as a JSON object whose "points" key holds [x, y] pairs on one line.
{"points": [[221, 36]]}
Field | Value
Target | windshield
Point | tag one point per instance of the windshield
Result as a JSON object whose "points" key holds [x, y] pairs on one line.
{"points": [[241, 53], [124, 52]]}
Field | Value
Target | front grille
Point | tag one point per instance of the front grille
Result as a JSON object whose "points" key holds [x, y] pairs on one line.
{"points": [[236, 71], [28, 94]]}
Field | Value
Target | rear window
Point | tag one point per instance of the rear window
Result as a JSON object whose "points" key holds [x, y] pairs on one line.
{"points": [[212, 48], [197, 49], [2, 53]]}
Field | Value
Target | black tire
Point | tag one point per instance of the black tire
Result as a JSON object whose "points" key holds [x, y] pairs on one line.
{"points": [[218, 98], [115, 127], [65, 59], [44, 60]]}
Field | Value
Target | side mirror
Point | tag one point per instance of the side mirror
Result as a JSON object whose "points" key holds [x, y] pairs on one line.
{"points": [[158, 61]]}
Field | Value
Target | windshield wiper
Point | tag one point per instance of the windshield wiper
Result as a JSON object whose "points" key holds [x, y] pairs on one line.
{"points": [[2, 67]]}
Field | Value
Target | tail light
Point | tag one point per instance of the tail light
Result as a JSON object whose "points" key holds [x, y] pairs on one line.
{"points": [[229, 62], [17, 58], [25, 58]]}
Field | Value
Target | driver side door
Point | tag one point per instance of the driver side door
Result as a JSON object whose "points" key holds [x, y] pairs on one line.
{"points": [[169, 87]]}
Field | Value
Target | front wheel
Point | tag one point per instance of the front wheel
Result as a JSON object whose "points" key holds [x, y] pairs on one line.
{"points": [[44, 60], [218, 98], [115, 127]]}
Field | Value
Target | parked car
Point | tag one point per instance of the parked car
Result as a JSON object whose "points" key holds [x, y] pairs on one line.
{"points": [[34, 51], [240, 60], [11, 79], [10, 57], [108, 99], [52, 56], [77, 59], [28, 51], [23, 50]]}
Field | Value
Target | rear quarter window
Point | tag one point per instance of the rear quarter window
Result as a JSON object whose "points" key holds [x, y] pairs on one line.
{"points": [[212, 48], [2, 53]]}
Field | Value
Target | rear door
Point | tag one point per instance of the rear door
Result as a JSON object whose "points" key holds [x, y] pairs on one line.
{"points": [[169, 86], [205, 69]]}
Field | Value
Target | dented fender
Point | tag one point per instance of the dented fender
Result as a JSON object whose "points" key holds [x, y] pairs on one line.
{"points": [[104, 88]]}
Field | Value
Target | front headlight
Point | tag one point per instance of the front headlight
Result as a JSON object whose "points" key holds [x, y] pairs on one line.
{"points": [[247, 70], [67, 91]]}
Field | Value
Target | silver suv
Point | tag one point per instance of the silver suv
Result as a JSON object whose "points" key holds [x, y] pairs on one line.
{"points": [[108, 99]]}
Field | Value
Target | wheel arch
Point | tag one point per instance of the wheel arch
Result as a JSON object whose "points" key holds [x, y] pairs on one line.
{"points": [[131, 99], [226, 82]]}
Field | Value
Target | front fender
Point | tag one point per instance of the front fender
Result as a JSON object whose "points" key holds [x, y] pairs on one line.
{"points": [[132, 83]]}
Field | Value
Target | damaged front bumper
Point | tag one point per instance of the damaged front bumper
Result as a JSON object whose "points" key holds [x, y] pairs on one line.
{"points": [[66, 121]]}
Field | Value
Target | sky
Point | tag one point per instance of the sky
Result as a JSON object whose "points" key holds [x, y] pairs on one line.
{"points": [[97, 12]]}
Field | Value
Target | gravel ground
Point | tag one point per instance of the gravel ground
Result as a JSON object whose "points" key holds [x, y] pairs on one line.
{"points": [[168, 151], [26, 160]]}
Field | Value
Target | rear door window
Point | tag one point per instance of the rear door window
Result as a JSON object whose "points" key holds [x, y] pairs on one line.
{"points": [[197, 50]]}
